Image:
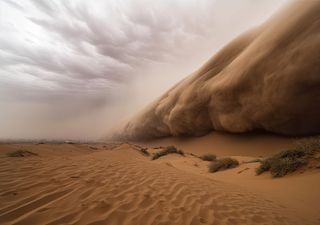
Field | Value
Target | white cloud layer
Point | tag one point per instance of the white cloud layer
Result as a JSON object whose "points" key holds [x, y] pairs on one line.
{"points": [[70, 69]]}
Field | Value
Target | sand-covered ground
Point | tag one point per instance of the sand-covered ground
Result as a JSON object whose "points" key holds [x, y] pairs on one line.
{"points": [[115, 184]]}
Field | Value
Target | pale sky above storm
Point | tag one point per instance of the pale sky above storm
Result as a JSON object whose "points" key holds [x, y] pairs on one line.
{"points": [[72, 69]]}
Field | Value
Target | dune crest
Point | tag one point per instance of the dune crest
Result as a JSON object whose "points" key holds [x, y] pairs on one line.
{"points": [[266, 79]]}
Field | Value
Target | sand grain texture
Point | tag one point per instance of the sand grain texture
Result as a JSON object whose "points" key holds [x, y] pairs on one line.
{"points": [[121, 186]]}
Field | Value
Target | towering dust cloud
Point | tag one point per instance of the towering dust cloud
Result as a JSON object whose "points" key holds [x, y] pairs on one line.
{"points": [[267, 78]]}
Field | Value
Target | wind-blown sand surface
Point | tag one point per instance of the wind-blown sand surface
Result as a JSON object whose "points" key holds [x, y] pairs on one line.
{"points": [[116, 184], [226, 144]]}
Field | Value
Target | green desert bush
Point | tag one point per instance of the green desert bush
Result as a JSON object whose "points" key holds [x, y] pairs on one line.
{"points": [[284, 166], [290, 160], [208, 157], [222, 164], [284, 162], [21, 153], [308, 145], [166, 151]]}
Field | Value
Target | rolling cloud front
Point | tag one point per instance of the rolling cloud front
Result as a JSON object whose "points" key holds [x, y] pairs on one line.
{"points": [[73, 69]]}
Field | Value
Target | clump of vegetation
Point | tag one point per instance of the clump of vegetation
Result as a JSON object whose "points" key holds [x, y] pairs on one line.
{"points": [[208, 157], [290, 160], [309, 145], [222, 164], [166, 151], [283, 163], [21, 153]]}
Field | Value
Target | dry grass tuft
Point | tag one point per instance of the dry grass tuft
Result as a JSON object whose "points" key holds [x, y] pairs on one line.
{"points": [[166, 151], [291, 160], [208, 157], [222, 164]]}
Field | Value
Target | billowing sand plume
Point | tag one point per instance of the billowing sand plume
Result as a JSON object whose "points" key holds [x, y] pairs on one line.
{"points": [[266, 79]]}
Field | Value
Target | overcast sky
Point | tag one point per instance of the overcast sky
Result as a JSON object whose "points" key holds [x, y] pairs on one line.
{"points": [[73, 68]]}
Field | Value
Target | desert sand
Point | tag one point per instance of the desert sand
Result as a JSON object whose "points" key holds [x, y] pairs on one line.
{"points": [[265, 79], [116, 184]]}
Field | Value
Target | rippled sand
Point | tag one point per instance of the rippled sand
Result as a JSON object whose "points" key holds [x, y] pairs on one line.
{"points": [[116, 184]]}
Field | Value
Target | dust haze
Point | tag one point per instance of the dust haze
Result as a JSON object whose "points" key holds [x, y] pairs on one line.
{"points": [[265, 79], [74, 69]]}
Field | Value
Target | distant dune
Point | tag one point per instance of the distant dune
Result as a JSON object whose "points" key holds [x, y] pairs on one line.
{"points": [[266, 79]]}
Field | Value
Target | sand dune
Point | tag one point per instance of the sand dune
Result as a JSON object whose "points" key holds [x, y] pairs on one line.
{"points": [[81, 184], [265, 79], [226, 144]]}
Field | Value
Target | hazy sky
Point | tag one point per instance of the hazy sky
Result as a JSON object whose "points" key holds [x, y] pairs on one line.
{"points": [[73, 68]]}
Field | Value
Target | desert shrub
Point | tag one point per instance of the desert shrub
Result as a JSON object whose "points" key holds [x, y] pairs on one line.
{"points": [[308, 145], [222, 164], [290, 160], [291, 153], [208, 157], [21, 153], [166, 151], [265, 166], [284, 166], [283, 162]]}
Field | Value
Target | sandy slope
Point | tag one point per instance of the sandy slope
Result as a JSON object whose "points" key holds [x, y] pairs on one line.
{"points": [[76, 184], [222, 143], [265, 79], [299, 192]]}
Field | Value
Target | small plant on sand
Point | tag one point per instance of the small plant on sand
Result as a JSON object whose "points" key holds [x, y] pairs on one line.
{"points": [[166, 151], [290, 160], [309, 145], [208, 157], [222, 164], [21, 153], [283, 162]]}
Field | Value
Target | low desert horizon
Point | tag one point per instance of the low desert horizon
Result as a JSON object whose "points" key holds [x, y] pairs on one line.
{"points": [[160, 112], [124, 183]]}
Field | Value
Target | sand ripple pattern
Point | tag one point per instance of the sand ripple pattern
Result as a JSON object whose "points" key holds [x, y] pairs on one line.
{"points": [[123, 187]]}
